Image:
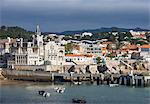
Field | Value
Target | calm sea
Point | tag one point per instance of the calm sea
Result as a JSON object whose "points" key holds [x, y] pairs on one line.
{"points": [[27, 93]]}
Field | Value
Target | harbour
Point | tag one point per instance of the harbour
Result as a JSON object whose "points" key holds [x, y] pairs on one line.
{"points": [[75, 52], [27, 93], [121, 79]]}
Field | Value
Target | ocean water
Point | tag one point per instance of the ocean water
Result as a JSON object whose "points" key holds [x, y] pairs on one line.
{"points": [[27, 93]]}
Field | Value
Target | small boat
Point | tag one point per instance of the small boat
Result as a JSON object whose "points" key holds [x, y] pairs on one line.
{"points": [[41, 92], [80, 101], [44, 93], [113, 85], [77, 83], [60, 90], [56, 88]]}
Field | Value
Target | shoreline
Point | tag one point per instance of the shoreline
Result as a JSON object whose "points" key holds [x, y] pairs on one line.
{"points": [[11, 82]]}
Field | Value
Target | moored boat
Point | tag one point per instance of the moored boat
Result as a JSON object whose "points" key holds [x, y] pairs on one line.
{"points": [[113, 85], [80, 101], [44, 93]]}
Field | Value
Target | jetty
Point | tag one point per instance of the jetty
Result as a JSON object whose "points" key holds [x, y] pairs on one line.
{"points": [[121, 79]]}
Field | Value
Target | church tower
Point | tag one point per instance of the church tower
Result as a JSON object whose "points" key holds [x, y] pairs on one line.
{"points": [[38, 32]]}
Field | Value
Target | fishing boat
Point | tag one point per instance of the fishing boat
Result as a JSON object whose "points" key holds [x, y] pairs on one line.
{"points": [[44, 93], [77, 83], [113, 85], [60, 90], [80, 101]]}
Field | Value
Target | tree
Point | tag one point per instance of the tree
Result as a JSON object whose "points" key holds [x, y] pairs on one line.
{"points": [[69, 47], [98, 60], [3, 27], [14, 32]]}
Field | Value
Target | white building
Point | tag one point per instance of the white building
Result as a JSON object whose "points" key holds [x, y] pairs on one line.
{"points": [[138, 34], [39, 52], [80, 59], [86, 34], [94, 49], [54, 53], [5, 45], [145, 51]]}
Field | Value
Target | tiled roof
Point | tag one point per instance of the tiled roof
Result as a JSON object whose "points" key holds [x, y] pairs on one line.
{"points": [[2, 41], [106, 42], [129, 47], [78, 55], [144, 46]]}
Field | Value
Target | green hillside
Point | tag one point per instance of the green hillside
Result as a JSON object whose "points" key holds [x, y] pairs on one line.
{"points": [[14, 32]]}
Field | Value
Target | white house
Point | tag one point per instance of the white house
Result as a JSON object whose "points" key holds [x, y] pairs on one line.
{"points": [[86, 34], [145, 51], [80, 59]]}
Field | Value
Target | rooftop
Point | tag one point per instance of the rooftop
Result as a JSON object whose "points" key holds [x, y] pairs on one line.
{"points": [[79, 55], [144, 46]]}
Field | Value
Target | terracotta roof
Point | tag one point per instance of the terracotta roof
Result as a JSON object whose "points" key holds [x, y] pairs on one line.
{"points": [[132, 47], [2, 41], [106, 42], [129, 47], [78, 55], [144, 46]]}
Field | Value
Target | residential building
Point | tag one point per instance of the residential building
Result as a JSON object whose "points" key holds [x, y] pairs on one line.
{"points": [[86, 34], [145, 51], [5, 45], [80, 59], [138, 34]]}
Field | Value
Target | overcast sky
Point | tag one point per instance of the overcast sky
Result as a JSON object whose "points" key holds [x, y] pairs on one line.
{"points": [[61, 15]]}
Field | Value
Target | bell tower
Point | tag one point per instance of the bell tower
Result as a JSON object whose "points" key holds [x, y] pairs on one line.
{"points": [[38, 32]]}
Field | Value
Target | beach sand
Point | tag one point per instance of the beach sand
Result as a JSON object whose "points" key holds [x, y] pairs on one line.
{"points": [[10, 82]]}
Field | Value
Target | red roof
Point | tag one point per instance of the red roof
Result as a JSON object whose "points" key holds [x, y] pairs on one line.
{"points": [[144, 46], [78, 55]]}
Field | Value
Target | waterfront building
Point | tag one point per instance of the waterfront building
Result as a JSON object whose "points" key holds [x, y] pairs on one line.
{"points": [[54, 53], [38, 52], [145, 51], [90, 48], [80, 59]]}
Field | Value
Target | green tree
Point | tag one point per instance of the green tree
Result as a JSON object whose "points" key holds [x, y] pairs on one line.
{"points": [[69, 47], [98, 60]]}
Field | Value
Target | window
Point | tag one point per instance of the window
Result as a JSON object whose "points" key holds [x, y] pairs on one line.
{"points": [[145, 49]]}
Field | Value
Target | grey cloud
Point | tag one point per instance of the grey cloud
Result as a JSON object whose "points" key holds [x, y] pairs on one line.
{"points": [[59, 15]]}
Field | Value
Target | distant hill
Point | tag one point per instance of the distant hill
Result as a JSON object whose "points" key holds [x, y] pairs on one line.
{"points": [[103, 29], [14, 32], [19, 32]]}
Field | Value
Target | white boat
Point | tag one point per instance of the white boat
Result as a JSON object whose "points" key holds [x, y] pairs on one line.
{"points": [[56, 88], [113, 85], [60, 90], [77, 83], [44, 93]]}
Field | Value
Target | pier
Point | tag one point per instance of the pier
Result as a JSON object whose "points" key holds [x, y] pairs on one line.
{"points": [[127, 80]]}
